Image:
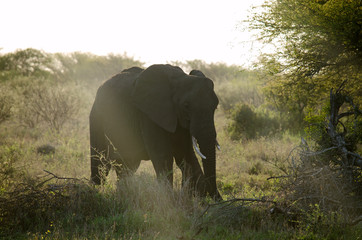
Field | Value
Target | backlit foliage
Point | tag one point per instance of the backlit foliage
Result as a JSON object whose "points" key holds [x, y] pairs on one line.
{"points": [[317, 47]]}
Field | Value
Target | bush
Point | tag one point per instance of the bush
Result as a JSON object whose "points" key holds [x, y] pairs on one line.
{"points": [[230, 94], [248, 124], [25, 62], [316, 130], [51, 105], [10, 155], [5, 107], [69, 208], [328, 172]]}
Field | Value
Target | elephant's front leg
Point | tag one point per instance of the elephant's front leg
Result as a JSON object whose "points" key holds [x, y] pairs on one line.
{"points": [[185, 168], [187, 161], [159, 148]]}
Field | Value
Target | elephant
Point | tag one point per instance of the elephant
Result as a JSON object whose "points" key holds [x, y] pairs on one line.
{"points": [[160, 114]]}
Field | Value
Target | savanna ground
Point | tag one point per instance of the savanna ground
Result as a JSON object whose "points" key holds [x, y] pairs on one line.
{"points": [[46, 103]]}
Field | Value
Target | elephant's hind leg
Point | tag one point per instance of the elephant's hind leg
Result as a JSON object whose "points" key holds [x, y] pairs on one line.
{"points": [[126, 168]]}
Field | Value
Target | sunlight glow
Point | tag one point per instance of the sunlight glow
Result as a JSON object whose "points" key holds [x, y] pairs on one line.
{"points": [[151, 31]]}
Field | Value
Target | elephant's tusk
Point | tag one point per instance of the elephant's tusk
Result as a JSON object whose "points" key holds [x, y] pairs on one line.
{"points": [[218, 145], [194, 142]]}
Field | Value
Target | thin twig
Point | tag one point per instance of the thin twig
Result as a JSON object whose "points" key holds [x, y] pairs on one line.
{"points": [[243, 200], [61, 178], [277, 177], [308, 154]]}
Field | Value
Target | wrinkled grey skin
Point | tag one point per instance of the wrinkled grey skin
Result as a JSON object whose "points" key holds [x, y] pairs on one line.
{"points": [[153, 114]]}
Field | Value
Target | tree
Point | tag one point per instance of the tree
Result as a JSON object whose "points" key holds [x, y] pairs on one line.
{"points": [[87, 67], [28, 62], [318, 47]]}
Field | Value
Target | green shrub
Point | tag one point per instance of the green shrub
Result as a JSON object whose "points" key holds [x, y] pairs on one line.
{"points": [[233, 92], [5, 107], [248, 124], [10, 171], [256, 168], [350, 127], [323, 176]]}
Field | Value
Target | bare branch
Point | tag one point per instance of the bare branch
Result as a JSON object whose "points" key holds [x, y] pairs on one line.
{"points": [[277, 177], [62, 178]]}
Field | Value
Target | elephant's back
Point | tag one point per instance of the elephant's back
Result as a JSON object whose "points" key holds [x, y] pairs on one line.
{"points": [[120, 117], [121, 84]]}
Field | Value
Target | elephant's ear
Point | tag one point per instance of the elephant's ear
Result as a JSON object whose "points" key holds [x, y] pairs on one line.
{"points": [[153, 95]]}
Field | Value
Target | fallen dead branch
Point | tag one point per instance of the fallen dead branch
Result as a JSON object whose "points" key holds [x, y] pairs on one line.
{"points": [[329, 173], [235, 213], [31, 202], [227, 203]]}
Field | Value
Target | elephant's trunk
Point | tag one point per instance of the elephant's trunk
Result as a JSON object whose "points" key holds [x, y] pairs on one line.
{"points": [[197, 149], [206, 138]]}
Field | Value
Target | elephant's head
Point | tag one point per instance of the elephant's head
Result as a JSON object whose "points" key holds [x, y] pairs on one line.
{"points": [[170, 97]]}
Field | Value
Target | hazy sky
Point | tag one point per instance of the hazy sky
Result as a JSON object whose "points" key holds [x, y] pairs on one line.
{"points": [[153, 31]]}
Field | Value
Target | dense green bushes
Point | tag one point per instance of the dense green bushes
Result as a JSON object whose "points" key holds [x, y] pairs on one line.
{"points": [[315, 47], [247, 123]]}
